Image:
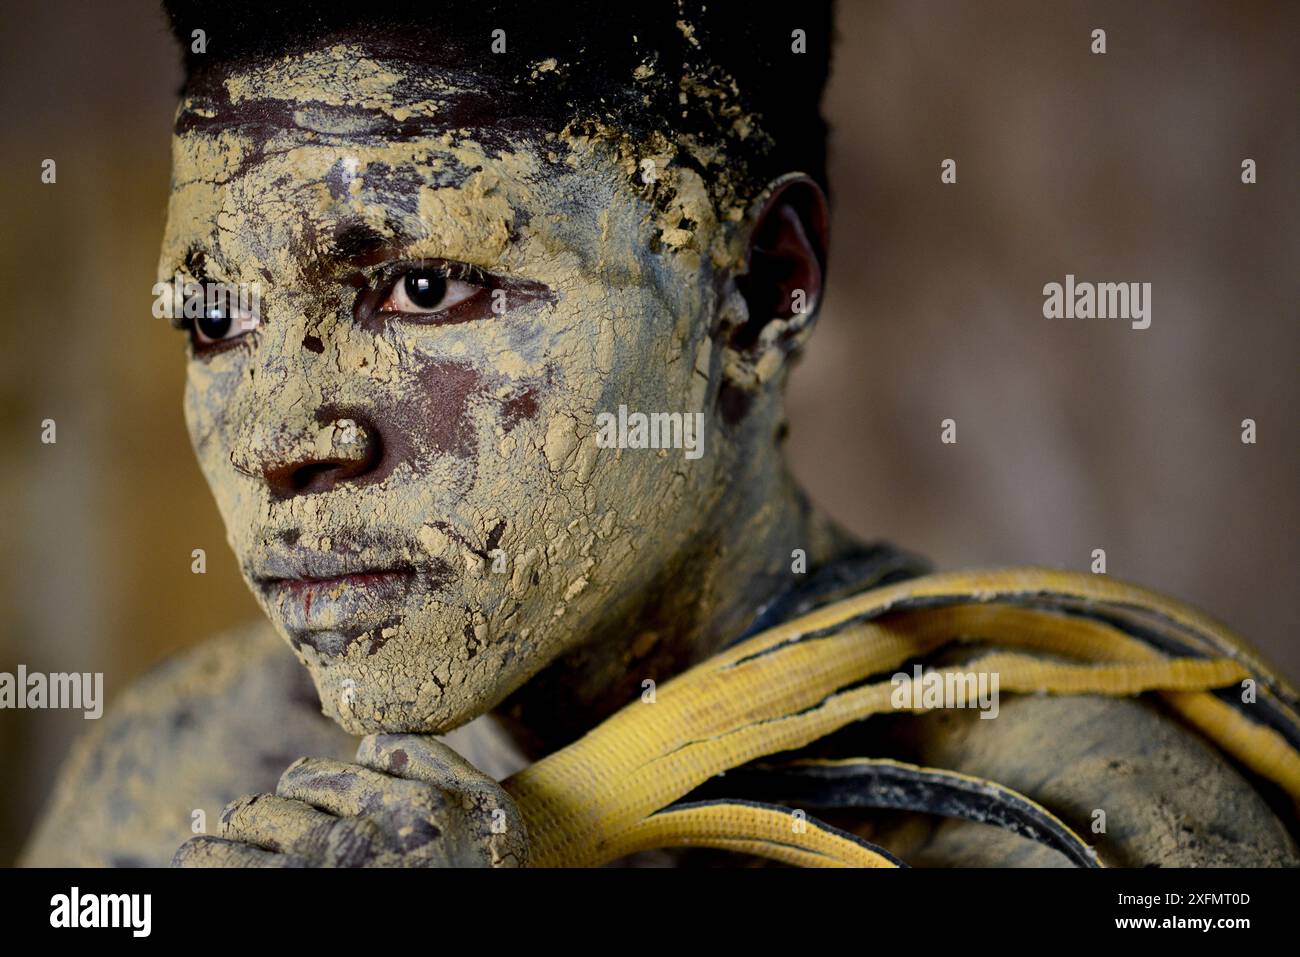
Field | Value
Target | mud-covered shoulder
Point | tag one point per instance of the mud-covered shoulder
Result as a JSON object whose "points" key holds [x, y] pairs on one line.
{"points": [[216, 722], [1124, 774]]}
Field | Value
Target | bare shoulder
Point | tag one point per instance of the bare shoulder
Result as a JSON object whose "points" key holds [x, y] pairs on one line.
{"points": [[1130, 779], [205, 727]]}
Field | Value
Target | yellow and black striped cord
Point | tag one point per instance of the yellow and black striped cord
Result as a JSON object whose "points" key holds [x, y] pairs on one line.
{"points": [[612, 792]]}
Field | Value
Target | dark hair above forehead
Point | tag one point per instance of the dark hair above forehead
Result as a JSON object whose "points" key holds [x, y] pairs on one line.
{"points": [[679, 66]]}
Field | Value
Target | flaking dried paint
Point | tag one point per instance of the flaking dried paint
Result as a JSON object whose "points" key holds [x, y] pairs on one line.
{"points": [[630, 266]]}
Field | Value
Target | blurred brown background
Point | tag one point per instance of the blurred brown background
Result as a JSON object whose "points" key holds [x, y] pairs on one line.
{"points": [[1071, 435]]}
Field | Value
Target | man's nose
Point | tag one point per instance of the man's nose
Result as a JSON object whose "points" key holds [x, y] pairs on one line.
{"points": [[313, 457]]}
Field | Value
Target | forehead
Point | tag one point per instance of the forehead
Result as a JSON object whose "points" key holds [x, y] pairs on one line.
{"points": [[344, 90], [273, 161], [293, 151]]}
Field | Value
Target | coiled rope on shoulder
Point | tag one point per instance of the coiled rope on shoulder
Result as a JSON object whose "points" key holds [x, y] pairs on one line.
{"points": [[611, 792]]}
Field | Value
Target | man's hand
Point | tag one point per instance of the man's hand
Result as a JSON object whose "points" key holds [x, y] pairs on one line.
{"points": [[409, 801]]}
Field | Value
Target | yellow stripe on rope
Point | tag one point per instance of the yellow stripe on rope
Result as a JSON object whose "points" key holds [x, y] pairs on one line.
{"points": [[566, 793], [1259, 747], [764, 831], [678, 772], [562, 794], [778, 691], [1026, 674]]}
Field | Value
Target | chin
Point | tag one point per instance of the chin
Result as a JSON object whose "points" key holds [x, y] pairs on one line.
{"points": [[392, 693]]}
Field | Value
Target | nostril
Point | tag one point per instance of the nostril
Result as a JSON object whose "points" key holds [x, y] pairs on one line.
{"points": [[344, 449], [314, 476]]}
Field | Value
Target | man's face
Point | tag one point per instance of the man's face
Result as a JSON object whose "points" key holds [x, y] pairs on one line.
{"points": [[403, 446]]}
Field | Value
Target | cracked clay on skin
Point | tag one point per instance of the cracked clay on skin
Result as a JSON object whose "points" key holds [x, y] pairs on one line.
{"points": [[487, 422]]}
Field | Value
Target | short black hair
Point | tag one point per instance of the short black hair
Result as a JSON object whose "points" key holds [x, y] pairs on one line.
{"points": [[724, 73]]}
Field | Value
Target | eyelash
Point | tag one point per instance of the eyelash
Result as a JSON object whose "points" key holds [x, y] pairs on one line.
{"points": [[388, 275]]}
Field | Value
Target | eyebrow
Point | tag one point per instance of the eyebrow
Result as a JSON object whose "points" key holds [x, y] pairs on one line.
{"points": [[360, 243], [199, 262]]}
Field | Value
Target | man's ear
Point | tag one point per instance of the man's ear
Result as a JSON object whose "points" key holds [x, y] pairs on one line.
{"points": [[786, 263]]}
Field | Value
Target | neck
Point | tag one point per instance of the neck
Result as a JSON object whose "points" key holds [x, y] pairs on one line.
{"points": [[706, 596]]}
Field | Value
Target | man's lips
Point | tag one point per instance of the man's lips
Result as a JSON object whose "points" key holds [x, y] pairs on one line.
{"points": [[312, 566], [348, 604], [329, 599], [308, 585]]}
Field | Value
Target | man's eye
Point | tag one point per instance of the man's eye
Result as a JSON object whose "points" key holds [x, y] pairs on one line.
{"points": [[221, 323], [423, 292]]}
